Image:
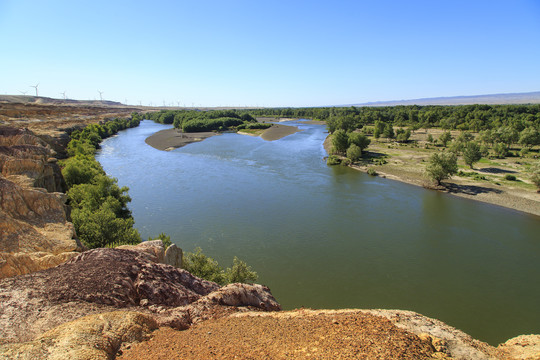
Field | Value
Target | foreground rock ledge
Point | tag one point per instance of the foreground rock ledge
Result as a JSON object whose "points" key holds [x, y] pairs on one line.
{"points": [[326, 334]]}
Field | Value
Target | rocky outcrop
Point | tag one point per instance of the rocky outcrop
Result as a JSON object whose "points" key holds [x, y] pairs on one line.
{"points": [[523, 347], [34, 231], [25, 158], [96, 337], [104, 280]]}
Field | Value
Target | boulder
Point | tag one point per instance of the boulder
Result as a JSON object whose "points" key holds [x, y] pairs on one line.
{"points": [[174, 256]]}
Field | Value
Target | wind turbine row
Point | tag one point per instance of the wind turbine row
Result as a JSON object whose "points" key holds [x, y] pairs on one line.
{"points": [[35, 87]]}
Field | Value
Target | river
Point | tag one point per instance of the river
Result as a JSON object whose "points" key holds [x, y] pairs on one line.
{"points": [[333, 237]]}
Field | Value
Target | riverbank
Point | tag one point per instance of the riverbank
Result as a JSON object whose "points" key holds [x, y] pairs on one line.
{"points": [[407, 164]]}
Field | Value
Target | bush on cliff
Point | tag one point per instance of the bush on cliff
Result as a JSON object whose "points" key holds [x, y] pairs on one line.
{"points": [[207, 268], [80, 169]]}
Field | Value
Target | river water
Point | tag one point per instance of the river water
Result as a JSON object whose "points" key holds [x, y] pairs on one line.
{"points": [[333, 237]]}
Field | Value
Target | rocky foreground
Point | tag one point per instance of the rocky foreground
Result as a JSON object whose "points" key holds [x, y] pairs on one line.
{"points": [[110, 302]]}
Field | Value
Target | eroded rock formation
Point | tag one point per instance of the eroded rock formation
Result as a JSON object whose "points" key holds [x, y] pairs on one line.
{"points": [[34, 231], [98, 336], [104, 280]]}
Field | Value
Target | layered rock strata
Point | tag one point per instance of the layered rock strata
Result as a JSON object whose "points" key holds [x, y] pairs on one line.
{"points": [[35, 233]]}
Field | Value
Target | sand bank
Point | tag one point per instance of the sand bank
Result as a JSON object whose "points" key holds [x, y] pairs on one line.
{"points": [[173, 138], [277, 132]]}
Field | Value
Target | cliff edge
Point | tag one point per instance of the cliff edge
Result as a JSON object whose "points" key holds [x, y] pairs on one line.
{"points": [[35, 233]]}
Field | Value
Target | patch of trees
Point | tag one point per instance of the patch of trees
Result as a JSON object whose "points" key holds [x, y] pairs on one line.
{"points": [[199, 121], [350, 144], [98, 205]]}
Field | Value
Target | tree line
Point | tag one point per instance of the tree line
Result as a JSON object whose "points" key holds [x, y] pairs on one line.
{"points": [[98, 205]]}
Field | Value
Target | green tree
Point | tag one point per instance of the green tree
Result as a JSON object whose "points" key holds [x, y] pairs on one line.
{"points": [[500, 149], [529, 137], [340, 141], [101, 227], [442, 166], [354, 153], [240, 272], [80, 170], [472, 153], [359, 140], [204, 267], [445, 138], [379, 128], [403, 135], [388, 131]]}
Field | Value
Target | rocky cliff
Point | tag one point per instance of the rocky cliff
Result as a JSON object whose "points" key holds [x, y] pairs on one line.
{"points": [[35, 233]]}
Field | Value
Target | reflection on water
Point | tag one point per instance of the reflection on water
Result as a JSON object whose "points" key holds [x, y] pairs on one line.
{"points": [[331, 237]]}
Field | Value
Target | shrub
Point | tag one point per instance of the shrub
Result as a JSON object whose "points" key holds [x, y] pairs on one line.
{"points": [[346, 162], [354, 153], [333, 160], [359, 140], [510, 177], [207, 268], [240, 272], [372, 172]]}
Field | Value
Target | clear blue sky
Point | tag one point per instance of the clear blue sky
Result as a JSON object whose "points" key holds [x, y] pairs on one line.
{"points": [[269, 53]]}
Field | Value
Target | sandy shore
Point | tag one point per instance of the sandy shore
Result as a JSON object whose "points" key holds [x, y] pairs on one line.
{"points": [[406, 168], [173, 138]]}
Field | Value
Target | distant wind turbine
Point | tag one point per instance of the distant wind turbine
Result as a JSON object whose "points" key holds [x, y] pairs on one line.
{"points": [[64, 94], [100, 95], [23, 92], [35, 87]]}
